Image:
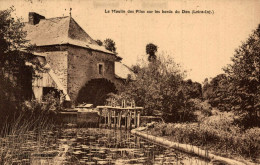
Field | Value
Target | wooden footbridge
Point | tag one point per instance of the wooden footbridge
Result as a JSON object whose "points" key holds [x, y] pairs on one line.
{"points": [[119, 117]]}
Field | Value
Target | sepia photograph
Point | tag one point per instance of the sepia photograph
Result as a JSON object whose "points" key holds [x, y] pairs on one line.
{"points": [[120, 82]]}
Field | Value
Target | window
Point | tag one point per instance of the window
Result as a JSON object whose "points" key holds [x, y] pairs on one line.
{"points": [[100, 69]]}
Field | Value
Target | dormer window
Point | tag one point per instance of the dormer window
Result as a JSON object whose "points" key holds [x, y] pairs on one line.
{"points": [[101, 69]]}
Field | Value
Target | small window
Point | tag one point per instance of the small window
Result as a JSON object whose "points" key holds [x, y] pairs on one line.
{"points": [[100, 69]]}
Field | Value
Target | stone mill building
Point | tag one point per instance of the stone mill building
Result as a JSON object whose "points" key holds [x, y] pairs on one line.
{"points": [[76, 65]]}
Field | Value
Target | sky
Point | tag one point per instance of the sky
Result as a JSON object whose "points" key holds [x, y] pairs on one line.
{"points": [[202, 43]]}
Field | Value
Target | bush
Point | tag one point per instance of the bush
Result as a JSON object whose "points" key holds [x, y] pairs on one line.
{"points": [[217, 133], [202, 109], [160, 129], [220, 121]]}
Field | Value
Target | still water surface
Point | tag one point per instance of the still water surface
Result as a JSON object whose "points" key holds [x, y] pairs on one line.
{"points": [[103, 146]]}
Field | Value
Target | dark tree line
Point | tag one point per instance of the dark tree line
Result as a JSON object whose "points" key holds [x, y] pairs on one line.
{"points": [[238, 90]]}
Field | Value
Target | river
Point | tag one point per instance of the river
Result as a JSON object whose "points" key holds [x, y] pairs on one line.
{"points": [[104, 146]]}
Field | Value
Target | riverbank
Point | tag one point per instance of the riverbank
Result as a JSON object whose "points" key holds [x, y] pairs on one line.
{"points": [[193, 139]]}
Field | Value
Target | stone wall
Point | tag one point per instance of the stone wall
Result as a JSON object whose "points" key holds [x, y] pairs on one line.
{"points": [[83, 66], [58, 61], [57, 58], [75, 66]]}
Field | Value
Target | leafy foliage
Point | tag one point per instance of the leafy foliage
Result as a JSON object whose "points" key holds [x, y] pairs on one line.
{"points": [[99, 42], [12, 39], [159, 87], [15, 74], [50, 104], [217, 92], [239, 89], [151, 49], [216, 133], [110, 45], [12, 62], [192, 89], [244, 76], [12, 57]]}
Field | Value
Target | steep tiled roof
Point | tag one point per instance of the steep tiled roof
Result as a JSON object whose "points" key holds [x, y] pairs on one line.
{"points": [[58, 31]]}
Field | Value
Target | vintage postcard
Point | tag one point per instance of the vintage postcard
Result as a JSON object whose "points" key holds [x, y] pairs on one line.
{"points": [[129, 82]]}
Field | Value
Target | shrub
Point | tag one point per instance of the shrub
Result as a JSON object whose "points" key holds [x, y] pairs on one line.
{"points": [[160, 129], [216, 133], [220, 120], [202, 109]]}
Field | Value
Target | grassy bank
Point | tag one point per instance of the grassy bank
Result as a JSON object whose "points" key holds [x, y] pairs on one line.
{"points": [[217, 134]]}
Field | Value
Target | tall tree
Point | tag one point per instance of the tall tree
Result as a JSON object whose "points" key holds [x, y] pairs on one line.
{"points": [[192, 89], [12, 39], [157, 87], [216, 92], [13, 68], [244, 77], [110, 45], [151, 49]]}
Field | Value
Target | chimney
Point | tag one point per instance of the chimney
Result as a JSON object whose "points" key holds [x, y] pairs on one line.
{"points": [[34, 18]]}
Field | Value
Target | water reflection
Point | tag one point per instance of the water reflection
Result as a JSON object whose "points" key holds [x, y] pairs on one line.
{"points": [[90, 146], [101, 146]]}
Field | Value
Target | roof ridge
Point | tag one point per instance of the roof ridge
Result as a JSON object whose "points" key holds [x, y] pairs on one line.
{"points": [[55, 18], [49, 18]]}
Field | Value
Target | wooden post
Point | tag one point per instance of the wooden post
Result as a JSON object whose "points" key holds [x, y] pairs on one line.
{"points": [[130, 121], [135, 118], [119, 119], [115, 119], [138, 119], [105, 116], [126, 118], [124, 103], [100, 117], [112, 118], [109, 118]]}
